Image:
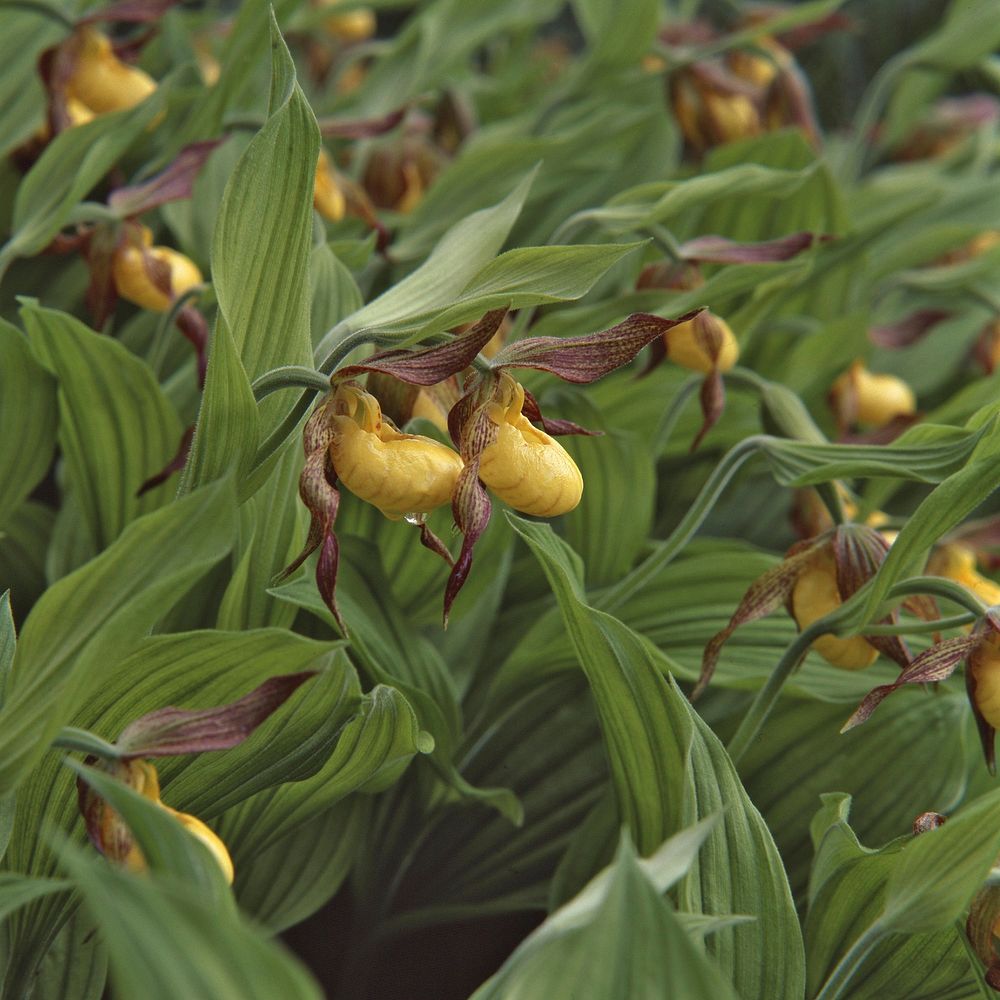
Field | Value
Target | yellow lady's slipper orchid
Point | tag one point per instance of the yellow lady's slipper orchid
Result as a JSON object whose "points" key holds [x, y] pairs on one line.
{"points": [[395, 472], [760, 70], [101, 81], [115, 841], [132, 278], [958, 562], [816, 594], [686, 348], [525, 467], [873, 400], [328, 196], [351, 26]]}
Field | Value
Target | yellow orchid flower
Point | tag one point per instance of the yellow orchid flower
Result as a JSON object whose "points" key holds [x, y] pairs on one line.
{"points": [[133, 262]]}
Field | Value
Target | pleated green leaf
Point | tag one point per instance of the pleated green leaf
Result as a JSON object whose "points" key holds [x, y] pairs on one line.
{"points": [[86, 621], [19, 890], [69, 167], [280, 895], [116, 427], [28, 415], [26, 35], [166, 940], [618, 939], [670, 770], [454, 263], [851, 950], [260, 250], [228, 427]]}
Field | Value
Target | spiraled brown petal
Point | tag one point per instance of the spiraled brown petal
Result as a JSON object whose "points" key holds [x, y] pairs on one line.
{"points": [[590, 357], [429, 365], [171, 731], [766, 594]]}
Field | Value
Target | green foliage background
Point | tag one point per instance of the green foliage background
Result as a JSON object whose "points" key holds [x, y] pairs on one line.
{"points": [[540, 758]]}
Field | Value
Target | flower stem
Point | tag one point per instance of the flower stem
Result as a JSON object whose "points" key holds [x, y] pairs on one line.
{"points": [[288, 377], [72, 738], [764, 701]]}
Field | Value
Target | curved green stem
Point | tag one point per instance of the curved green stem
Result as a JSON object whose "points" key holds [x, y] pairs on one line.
{"points": [[665, 552], [289, 377], [72, 738], [850, 963], [764, 700], [939, 586], [916, 628], [668, 421]]}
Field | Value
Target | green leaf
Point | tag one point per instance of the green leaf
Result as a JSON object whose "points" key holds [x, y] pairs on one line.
{"points": [[19, 890], [969, 34], [670, 770], [116, 428], [25, 36], [166, 940], [618, 34], [227, 432], [69, 167], [371, 753], [849, 948], [23, 546], [456, 260], [526, 276], [260, 250], [28, 415], [280, 895], [87, 620], [926, 453], [919, 734], [75, 966], [617, 939]]}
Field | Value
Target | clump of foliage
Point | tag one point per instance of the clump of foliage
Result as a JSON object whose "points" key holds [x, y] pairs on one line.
{"points": [[508, 473]]}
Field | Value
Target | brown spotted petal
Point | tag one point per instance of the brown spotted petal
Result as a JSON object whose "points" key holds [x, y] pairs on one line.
{"points": [[590, 357], [318, 490], [858, 551], [911, 329], [935, 663], [171, 731], [98, 251], [171, 184], [719, 250], [765, 595], [474, 432], [430, 365], [712, 397]]}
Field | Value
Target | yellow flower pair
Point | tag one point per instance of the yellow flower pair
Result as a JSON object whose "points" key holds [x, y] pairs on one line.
{"points": [[412, 474]]}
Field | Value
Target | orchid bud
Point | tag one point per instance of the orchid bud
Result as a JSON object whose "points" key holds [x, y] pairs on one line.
{"points": [[328, 195], [100, 80], [710, 114], [110, 835], [816, 593], [862, 397], [397, 473], [355, 25], [152, 277], [525, 467], [703, 344]]}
